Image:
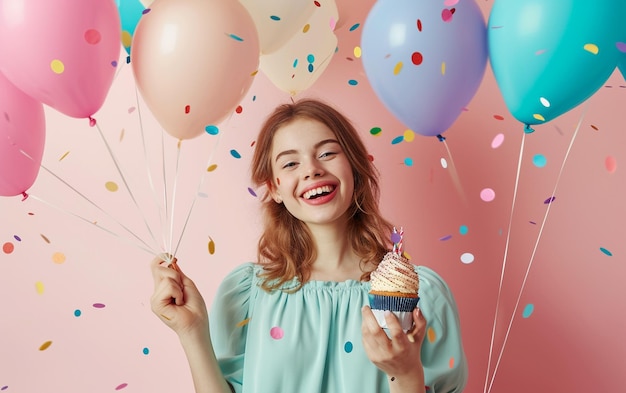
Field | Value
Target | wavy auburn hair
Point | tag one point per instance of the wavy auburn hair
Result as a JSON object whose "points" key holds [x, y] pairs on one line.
{"points": [[286, 249]]}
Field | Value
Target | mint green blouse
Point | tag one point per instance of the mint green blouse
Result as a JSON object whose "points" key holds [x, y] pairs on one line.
{"points": [[310, 341]]}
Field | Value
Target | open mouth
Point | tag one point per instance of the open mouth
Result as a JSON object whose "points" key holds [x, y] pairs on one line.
{"points": [[318, 192]]}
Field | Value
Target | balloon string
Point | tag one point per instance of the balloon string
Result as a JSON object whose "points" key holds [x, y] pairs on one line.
{"points": [[201, 182], [149, 172], [119, 170], [453, 172], [532, 257], [506, 252], [175, 187], [139, 246], [85, 198]]}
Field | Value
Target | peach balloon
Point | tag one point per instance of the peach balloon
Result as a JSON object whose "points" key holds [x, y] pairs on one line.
{"points": [[193, 61]]}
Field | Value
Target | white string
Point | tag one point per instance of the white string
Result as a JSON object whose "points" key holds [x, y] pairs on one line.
{"points": [[545, 217], [174, 192], [506, 252]]}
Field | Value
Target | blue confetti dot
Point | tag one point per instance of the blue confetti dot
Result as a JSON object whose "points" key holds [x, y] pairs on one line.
{"points": [[77, 313], [606, 252], [353, 82], [463, 229], [212, 130], [540, 160], [397, 140], [310, 58], [274, 17], [146, 351], [295, 63], [235, 37], [528, 310], [235, 153], [408, 161], [311, 68], [348, 347], [355, 26]]}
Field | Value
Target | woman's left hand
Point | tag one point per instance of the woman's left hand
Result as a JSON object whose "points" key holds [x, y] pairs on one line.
{"points": [[399, 354]]}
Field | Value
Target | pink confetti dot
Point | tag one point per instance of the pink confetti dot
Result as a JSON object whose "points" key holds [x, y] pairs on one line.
{"points": [[446, 15], [277, 333], [497, 141], [92, 36], [450, 3], [611, 164], [98, 305], [121, 386], [487, 195]]}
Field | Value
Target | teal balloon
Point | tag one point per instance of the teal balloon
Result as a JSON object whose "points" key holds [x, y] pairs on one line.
{"points": [[622, 65], [549, 56], [130, 12]]}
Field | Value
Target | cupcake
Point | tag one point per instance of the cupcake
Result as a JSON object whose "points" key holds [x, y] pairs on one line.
{"points": [[394, 286]]}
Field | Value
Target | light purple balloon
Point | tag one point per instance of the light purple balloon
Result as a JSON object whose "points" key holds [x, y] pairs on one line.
{"points": [[425, 61]]}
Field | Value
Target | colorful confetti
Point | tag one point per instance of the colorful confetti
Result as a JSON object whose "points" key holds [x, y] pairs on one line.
{"points": [[45, 345], [121, 386], [211, 168], [212, 130], [376, 131], [99, 305], [467, 258], [57, 66], [463, 229], [111, 186], [77, 313], [348, 347], [211, 246], [39, 287], [487, 195], [145, 350], [58, 258], [606, 252], [497, 141], [277, 333], [528, 310], [8, 247], [591, 48], [430, 334], [539, 160], [610, 163], [235, 153]]}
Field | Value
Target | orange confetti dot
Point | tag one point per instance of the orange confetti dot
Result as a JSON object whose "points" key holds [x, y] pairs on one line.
{"points": [[127, 39], [58, 258], [211, 168], [451, 363], [306, 28], [244, 322], [397, 68], [431, 334], [8, 247], [211, 246], [45, 345]]}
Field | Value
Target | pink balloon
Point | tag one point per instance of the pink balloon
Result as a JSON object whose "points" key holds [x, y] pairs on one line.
{"points": [[194, 61], [22, 129], [63, 53]]}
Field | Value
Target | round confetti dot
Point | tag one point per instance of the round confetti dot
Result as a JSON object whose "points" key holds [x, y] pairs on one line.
{"points": [[444, 163], [443, 68], [145, 351], [467, 258], [528, 310], [409, 135], [430, 334], [212, 130], [498, 117], [8, 247], [77, 313], [606, 252], [121, 386], [610, 163], [348, 347], [408, 161], [92, 36], [487, 195], [544, 101], [417, 58], [39, 287], [58, 258], [463, 229], [57, 66], [357, 51], [211, 246], [98, 305], [45, 345], [111, 186], [239, 109], [310, 58], [235, 153], [310, 67], [376, 131], [539, 160], [353, 82], [497, 141], [277, 333], [450, 3]]}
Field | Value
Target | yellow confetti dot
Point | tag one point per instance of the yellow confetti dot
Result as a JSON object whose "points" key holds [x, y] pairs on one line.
{"points": [[409, 135], [57, 66], [397, 68], [254, 72], [592, 48], [111, 186], [537, 116], [211, 168], [122, 134], [357, 51], [406, 255], [58, 257], [127, 39], [306, 28], [39, 287], [211, 246], [431, 335], [244, 322], [443, 68], [451, 363], [45, 345]]}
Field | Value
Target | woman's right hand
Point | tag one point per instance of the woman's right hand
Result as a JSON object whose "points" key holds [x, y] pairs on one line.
{"points": [[176, 300]]}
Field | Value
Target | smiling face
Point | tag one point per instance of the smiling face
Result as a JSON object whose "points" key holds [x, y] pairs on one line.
{"points": [[311, 174]]}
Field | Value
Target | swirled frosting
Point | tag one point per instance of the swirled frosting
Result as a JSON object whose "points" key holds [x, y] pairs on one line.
{"points": [[394, 274]]}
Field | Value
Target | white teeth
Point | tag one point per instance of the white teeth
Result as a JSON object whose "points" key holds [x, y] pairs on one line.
{"points": [[316, 191]]}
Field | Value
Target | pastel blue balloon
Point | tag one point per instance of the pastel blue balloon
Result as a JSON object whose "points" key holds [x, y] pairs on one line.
{"points": [[130, 12], [549, 56], [424, 61]]}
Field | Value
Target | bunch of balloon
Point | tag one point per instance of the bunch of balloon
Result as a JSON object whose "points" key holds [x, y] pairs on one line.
{"points": [[297, 63], [62, 53], [194, 61], [425, 59], [22, 138], [550, 56]]}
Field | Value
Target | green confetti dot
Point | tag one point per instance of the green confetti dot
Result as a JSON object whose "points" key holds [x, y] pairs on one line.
{"points": [[376, 131]]}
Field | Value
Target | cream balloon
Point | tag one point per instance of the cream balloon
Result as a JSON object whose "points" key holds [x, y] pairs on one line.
{"points": [[302, 60], [278, 20], [194, 61]]}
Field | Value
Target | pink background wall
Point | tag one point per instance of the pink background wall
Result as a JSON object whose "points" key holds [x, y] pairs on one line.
{"points": [[87, 291]]}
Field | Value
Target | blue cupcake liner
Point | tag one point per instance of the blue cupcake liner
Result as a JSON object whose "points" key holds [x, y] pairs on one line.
{"points": [[392, 303]]}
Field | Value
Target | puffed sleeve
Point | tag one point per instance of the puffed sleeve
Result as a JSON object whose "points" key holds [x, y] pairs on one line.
{"points": [[443, 358], [227, 322]]}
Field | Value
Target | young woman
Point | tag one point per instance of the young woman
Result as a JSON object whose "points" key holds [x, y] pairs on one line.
{"points": [[298, 321]]}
